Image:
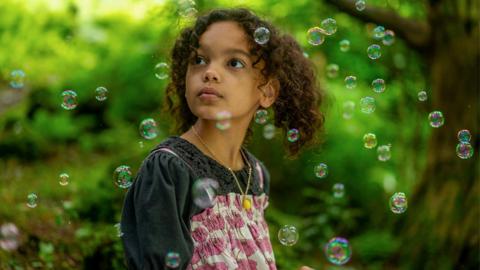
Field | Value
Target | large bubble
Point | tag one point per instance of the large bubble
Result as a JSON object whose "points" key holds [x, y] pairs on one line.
{"points": [[204, 192], [288, 235]]}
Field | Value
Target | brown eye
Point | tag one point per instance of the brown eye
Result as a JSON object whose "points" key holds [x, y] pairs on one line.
{"points": [[198, 60], [235, 63]]}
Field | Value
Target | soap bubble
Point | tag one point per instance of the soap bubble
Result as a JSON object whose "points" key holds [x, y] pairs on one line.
{"points": [[32, 200], [338, 190], [338, 251], [101, 93], [172, 260], [261, 116], [367, 104], [329, 26], [348, 109], [269, 131], [398, 203], [321, 170], [350, 82], [360, 5], [384, 153], [161, 70], [293, 135], [306, 55], [369, 140], [379, 32], [204, 192], [261, 35], [378, 85], [388, 38], [344, 45], [64, 179], [186, 8], [9, 237], [464, 150], [118, 228], [422, 95], [223, 120], [315, 36], [373, 51], [122, 176], [288, 235], [436, 119], [464, 135], [17, 78], [148, 129], [332, 70], [69, 100]]}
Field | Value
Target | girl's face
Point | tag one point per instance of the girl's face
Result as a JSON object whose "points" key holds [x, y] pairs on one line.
{"points": [[220, 77]]}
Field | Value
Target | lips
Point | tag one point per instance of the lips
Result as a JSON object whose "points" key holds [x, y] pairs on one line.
{"points": [[209, 91]]}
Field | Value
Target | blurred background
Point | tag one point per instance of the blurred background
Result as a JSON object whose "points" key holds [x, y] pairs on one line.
{"points": [[60, 206]]}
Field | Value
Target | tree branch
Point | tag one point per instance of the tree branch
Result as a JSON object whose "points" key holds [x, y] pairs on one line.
{"points": [[415, 33]]}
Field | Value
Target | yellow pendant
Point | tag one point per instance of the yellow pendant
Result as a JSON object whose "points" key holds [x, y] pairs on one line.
{"points": [[247, 204]]}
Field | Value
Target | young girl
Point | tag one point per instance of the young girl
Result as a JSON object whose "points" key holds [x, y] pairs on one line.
{"points": [[218, 67]]}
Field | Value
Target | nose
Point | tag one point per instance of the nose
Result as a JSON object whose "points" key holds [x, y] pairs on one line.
{"points": [[211, 75]]}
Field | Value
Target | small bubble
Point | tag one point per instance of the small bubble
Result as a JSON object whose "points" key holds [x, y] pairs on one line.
{"points": [[321, 170], [161, 70], [374, 51], [329, 26], [378, 85], [338, 251], [293, 135], [17, 79], [360, 5], [384, 153], [172, 260], [348, 109], [350, 82], [338, 190], [69, 101], [436, 119], [315, 36], [367, 104], [288, 235], [9, 237], [332, 70], [464, 150], [148, 129], [388, 38], [118, 227], [344, 45], [64, 179], [464, 136], [122, 176], [101, 93], [204, 192], [369, 140], [422, 95], [398, 203], [32, 200], [261, 35], [379, 32], [261, 116], [269, 131], [223, 120]]}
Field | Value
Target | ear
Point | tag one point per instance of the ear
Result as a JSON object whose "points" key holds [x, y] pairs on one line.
{"points": [[269, 93]]}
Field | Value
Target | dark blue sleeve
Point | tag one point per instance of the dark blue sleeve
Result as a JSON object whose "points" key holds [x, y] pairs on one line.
{"points": [[156, 213]]}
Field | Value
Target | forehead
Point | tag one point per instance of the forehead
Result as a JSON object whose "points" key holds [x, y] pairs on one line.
{"points": [[224, 35]]}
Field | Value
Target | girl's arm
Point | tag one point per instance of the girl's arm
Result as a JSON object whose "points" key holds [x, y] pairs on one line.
{"points": [[156, 214]]}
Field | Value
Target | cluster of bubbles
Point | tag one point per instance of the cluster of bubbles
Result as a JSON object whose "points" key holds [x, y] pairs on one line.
{"points": [[293, 135], [398, 203], [204, 192], [367, 105], [422, 95], [63, 179], [321, 170], [288, 235], [9, 237], [261, 116], [123, 177], [32, 200], [261, 35], [269, 131], [161, 70], [316, 35], [383, 152], [338, 190], [369, 140], [378, 85], [350, 82], [223, 120], [338, 251], [436, 119], [172, 260], [148, 129], [464, 149], [17, 79]]}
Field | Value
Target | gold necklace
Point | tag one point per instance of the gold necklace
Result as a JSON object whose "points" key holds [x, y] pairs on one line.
{"points": [[246, 202]]}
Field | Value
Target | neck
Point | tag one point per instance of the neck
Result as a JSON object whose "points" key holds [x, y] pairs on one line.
{"points": [[221, 145]]}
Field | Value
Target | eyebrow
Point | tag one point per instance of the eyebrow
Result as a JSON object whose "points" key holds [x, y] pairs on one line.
{"points": [[230, 51]]}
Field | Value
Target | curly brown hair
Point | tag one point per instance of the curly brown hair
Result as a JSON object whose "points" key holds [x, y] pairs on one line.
{"points": [[299, 98]]}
